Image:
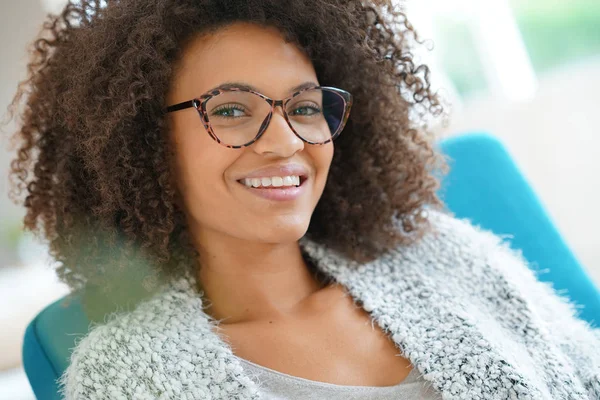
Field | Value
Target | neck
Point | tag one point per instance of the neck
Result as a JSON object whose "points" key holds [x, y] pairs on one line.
{"points": [[251, 281]]}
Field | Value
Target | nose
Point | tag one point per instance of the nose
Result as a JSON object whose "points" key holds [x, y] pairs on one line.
{"points": [[278, 138]]}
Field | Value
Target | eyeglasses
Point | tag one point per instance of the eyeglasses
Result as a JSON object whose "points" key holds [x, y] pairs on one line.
{"points": [[237, 117]]}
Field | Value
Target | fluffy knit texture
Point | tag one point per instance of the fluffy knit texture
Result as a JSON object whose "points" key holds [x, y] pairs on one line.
{"points": [[464, 307]]}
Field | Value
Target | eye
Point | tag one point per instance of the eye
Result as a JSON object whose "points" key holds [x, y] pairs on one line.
{"points": [[305, 110], [229, 111]]}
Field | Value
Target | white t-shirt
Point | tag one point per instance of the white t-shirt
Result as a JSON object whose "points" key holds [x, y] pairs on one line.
{"points": [[280, 386]]}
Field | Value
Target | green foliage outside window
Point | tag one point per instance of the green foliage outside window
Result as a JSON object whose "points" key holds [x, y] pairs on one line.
{"points": [[555, 33], [558, 32]]}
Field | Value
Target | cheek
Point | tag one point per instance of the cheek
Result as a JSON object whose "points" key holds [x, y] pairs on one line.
{"points": [[200, 164], [322, 157]]}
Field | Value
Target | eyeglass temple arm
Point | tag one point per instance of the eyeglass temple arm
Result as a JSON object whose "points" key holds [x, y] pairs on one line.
{"points": [[181, 106]]}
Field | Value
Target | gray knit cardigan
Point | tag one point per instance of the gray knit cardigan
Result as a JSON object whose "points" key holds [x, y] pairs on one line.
{"points": [[464, 307]]}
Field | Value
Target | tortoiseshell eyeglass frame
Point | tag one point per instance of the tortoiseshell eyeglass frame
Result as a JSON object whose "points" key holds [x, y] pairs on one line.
{"points": [[199, 104]]}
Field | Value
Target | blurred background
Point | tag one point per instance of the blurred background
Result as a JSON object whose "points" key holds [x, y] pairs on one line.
{"points": [[527, 71]]}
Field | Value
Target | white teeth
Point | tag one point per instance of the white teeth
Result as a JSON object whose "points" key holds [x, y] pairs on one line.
{"points": [[275, 181]]}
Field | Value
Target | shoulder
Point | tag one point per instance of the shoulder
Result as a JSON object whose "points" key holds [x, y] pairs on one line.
{"points": [[494, 269], [452, 240], [478, 265], [137, 354], [450, 230], [460, 239], [478, 255]]}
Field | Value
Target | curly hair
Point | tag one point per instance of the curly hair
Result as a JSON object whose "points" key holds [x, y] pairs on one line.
{"points": [[93, 145]]}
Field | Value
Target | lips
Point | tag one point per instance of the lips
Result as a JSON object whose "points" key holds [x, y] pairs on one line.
{"points": [[282, 194], [302, 180]]}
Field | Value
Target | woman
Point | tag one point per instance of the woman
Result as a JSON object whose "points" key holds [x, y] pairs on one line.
{"points": [[180, 158]]}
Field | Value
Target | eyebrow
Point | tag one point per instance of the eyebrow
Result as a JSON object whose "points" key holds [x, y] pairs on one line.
{"points": [[241, 85]]}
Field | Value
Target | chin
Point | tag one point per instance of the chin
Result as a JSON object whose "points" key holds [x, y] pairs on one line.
{"points": [[281, 232]]}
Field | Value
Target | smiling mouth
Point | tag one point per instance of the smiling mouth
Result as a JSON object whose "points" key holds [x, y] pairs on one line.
{"points": [[272, 184]]}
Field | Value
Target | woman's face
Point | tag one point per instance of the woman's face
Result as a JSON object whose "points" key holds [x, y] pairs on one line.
{"points": [[211, 176]]}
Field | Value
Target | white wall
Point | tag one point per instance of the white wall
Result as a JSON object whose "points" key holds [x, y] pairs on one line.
{"points": [[19, 23]]}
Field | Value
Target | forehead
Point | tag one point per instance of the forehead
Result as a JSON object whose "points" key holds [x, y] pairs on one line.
{"points": [[243, 52]]}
